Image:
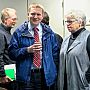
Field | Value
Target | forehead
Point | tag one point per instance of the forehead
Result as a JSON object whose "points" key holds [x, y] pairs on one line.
{"points": [[13, 15], [36, 10], [71, 16]]}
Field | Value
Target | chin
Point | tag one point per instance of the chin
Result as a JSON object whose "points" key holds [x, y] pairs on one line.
{"points": [[12, 26], [35, 24]]}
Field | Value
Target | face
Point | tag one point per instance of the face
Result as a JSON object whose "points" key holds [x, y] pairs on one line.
{"points": [[73, 25], [11, 21], [35, 16]]}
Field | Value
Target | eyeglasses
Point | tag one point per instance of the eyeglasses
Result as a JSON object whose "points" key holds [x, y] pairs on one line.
{"points": [[70, 21], [14, 19]]}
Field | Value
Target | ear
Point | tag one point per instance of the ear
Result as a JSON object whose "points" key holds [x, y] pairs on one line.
{"points": [[5, 21], [81, 22]]}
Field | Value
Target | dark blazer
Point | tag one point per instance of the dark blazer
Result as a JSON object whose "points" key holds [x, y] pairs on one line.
{"points": [[59, 39], [5, 37]]}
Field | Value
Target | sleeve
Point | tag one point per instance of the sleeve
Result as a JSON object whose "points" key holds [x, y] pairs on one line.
{"points": [[17, 52], [88, 46], [87, 74], [56, 51], [2, 48], [59, 39]]}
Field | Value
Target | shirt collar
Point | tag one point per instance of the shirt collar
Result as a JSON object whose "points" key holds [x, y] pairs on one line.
{"points": [[77, 32], [30, 27]]}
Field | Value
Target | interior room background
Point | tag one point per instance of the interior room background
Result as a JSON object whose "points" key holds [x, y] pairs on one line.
{"points": [[55, 8]]}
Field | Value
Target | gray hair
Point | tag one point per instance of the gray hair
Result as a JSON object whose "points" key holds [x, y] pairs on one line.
{"points": [[77, 15], [5, 13]]}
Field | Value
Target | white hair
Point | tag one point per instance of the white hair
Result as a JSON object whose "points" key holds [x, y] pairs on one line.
{"points": [[78, 15]]}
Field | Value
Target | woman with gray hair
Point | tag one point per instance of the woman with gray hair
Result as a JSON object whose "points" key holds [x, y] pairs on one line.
{"points": [[74, 73]]}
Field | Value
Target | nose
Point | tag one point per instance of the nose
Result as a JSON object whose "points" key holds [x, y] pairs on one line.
{"points": [[68, 23], [35, 16]]}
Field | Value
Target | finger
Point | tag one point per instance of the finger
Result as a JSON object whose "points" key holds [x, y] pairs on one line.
{"points": [[9, 79], [36, 45], [37, 42]]}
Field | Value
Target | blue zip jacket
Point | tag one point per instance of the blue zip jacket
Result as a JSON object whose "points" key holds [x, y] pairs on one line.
{"points": [[20, 40]]}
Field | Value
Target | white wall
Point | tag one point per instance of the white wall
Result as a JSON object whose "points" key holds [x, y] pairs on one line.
{"points": [[54, 8], [19, 5]]}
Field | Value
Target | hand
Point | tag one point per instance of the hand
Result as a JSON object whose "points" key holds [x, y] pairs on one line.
{"points": [[35, 47], [5, 79]]}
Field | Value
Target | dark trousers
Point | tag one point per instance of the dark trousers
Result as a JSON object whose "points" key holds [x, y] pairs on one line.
{"points": [[65, 81], [37, 82]]}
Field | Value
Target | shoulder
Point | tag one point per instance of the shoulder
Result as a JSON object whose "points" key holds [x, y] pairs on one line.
{"points": [[46, 28], [1, 29], [58, 37], [22, 27], [88, 38], [2, 32], [86, 34]]}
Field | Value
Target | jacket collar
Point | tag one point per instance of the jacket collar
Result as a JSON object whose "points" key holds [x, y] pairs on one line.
{"points": [[5, 28], [25, 31]]}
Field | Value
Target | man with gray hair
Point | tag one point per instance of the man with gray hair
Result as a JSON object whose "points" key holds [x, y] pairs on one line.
{"points": [[8, 21], [74, 72]]}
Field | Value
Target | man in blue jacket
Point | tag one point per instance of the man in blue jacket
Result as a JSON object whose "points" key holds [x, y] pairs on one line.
{"points": [[23, 47]]}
